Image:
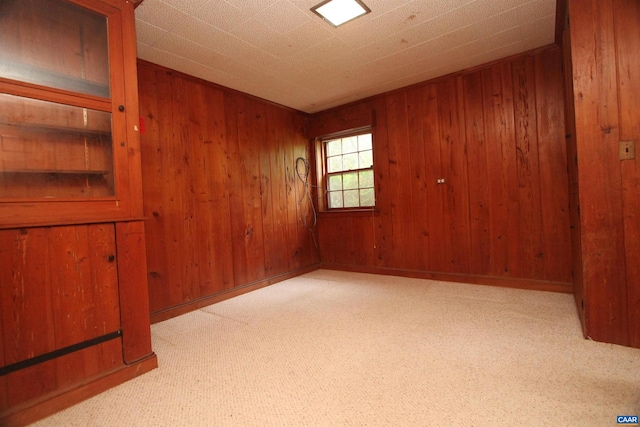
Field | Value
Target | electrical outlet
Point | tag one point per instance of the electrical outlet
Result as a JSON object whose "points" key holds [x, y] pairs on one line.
{"points": [[627, 150]]}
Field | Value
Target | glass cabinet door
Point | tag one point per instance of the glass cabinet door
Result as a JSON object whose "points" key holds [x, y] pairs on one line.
{"points": [[54, 43], [56, 106], [50, 150]]}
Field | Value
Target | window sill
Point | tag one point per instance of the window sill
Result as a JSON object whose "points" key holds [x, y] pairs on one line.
{"points": [[349, 212]]}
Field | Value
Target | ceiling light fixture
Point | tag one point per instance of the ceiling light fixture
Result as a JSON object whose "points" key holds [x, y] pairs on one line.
{"points": [[337, 12]]}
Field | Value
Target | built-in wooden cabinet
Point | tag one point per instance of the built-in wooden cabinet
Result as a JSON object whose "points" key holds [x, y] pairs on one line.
{"points": [[68, 111], [74, 311]]}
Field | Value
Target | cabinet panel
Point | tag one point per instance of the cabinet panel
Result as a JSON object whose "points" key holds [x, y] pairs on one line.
{"points": [[59, 288]]}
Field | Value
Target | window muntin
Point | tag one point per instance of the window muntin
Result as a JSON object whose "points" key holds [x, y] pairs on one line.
{"points": [[349, 166]]}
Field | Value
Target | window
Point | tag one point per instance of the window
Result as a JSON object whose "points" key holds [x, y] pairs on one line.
{"points": [[349, 166]]}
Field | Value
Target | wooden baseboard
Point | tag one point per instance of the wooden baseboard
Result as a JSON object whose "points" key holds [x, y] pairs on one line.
{"points": [[178, 310], [536, 285], [49, 404]]}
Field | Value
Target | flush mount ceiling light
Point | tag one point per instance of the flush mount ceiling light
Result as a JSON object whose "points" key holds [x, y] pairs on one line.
{"points": [[337, 12]]}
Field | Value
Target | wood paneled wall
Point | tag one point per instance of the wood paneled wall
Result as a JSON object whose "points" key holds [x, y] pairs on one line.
{"points": [[603, 48], [225, 206], [496, 135]]}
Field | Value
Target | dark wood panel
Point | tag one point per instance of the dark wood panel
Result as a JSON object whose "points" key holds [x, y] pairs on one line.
{"points": [[26, 308], [220, 190], [527, 166], [419, 206], [434, 218], [477, 166], [208, 130], [599, 175], [554, 184], [48, 377], [454, 170], [60, 288], [487, 133], [502, 184], [134, 298], [404, 255], [154, 96], [627, 17]]}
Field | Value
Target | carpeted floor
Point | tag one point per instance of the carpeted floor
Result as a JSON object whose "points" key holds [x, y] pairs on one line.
{"points": [[345, 349]]}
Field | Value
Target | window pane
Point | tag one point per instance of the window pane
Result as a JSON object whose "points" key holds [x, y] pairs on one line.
{"points": [[349, 145], [335, 199], [366, 179], [51, 150], [350, 180], [350, 161], [351, 199], [334, 147], [334, 164], [364, 142], [335, 182], [365, 159], [54, 43], [367, 197], [350, 175]]}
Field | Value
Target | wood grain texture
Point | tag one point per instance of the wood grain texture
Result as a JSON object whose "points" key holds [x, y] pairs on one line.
{"points": [[496, 135], [134, 296], [600, 123], [60, 288], [603, 42], [627, 16], [225, 207]]}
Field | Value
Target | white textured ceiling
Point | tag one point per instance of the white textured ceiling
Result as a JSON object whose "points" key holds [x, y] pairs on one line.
{"points": [[281, 51]]}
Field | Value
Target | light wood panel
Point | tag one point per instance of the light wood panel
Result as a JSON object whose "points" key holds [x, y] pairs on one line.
{"points": [[225, 207], [496, 135]]}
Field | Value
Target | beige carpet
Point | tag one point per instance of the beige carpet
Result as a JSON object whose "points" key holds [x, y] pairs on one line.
{"points": [[344, 349]]}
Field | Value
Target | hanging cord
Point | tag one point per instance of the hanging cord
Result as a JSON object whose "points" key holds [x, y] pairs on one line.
{"points": [[303, 176]]}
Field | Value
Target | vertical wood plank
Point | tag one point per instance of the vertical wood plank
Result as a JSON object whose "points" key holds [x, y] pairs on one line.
{"points": [[478, 175], [68, 272], [572, 172], [554, 185], [418, 180], [456, 202], [383, 230], [134, 299], [214, 261], [400, 174], [236, 196], [531, 248], [154, 90], [251, 124], [435, 192], [184, 193], [26, 310], [627, 34], [277, 141], [597, 133], [102, 294], [502, 174]]}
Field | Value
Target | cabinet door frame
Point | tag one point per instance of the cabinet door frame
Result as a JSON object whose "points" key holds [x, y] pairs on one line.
{"points": [[123, 108]]}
